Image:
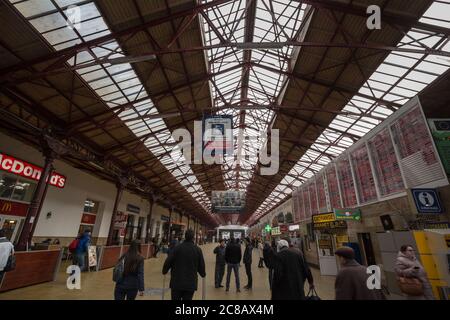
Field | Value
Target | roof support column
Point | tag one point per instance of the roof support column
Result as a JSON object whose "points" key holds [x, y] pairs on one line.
{"points": [[120, 185], [51, 150]]}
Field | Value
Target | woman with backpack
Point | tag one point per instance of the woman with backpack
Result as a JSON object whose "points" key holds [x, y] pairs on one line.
{"points": [[129, 274]]}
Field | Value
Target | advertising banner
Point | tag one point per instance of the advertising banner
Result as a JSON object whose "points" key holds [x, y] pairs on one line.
{"points": [[348, 214], [228, 201], [218, 135], [13, 208], [92, 256], [121, 222]]}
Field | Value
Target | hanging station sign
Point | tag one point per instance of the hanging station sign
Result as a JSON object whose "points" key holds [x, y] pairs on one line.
{"points": [[427, 201], [218, 138], [133, 209], [320, 218], [228, 202], [348, 214], [28, 170]]}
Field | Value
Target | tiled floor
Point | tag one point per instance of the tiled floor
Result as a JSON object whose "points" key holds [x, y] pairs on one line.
{"points": [[99, 285]]}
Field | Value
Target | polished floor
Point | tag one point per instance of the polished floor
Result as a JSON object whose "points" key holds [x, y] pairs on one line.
{"points": [[99, 285]]}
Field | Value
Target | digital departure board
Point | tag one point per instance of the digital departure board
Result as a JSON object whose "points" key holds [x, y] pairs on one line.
{"points": [[347, 183], [333, 187], [313, 197], [306, 202], [363, 174], [301, 207], [321, 195], [415, 145], [387, 169]]}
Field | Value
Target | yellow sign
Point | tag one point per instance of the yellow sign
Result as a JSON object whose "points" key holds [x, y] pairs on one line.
{"points": [[320, 218], [342, 239]]}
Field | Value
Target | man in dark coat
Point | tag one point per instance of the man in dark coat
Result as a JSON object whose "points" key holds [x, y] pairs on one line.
{"points": [[233, 256], [269, 260], [351, 281], [219, 251], [290, 274], [185, 261], [248, 263]]}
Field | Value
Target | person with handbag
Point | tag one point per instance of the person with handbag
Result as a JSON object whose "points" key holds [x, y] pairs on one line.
{"points": [[130, 281], [411, 276], [6, 255]]}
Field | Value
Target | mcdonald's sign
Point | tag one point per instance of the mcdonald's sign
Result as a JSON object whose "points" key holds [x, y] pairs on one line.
{"points": [[13, 208]]}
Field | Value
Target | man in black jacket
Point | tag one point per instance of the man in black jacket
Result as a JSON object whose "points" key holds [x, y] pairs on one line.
{"points": [[233, 256], [219, 251], [269, 260], [185, 261], [290, 273], [248, 263]]}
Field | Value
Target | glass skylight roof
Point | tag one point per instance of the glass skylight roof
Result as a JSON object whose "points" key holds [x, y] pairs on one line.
{"points": [[115, 84], [275, 21], [399, 78]]}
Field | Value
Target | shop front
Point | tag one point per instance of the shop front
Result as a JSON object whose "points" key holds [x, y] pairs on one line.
{"points": [[330, 234], [18, 182]]}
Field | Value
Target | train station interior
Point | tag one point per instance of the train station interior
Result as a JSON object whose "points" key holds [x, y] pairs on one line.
{"points": [[322, 124]]}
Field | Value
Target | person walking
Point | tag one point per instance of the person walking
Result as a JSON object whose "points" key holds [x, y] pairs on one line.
{"points": [[233, 256], [6, 251], [269, 260], [248, 253], [351, 280], [185, 262], [290, 273], [219, 251], [408, 266], [132, 281], [82, 249], [261, 254]]}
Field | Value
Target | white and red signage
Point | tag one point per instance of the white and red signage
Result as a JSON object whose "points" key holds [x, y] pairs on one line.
{"points": [[28, 170]]}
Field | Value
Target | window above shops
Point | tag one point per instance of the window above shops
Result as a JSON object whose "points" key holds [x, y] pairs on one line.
{"points": [[15, 188]]}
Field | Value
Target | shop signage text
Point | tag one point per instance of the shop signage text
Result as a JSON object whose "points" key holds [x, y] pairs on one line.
{"points": [[348, 214], [327, 217], [88, 219], [13, 208], [276, 231], [28, 170], [133, 209], [330, 225]]}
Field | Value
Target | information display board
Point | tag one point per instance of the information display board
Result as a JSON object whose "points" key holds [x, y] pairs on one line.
{"points": [[218, 135], [295, 205], [387, 169], [306, 202], [363, 174], [347, 183], [321, 195], [313, 197], [333, 187], [418, 157]]}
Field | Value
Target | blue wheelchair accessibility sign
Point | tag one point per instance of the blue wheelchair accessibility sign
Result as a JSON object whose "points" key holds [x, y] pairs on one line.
{"points": [[427, 201]]}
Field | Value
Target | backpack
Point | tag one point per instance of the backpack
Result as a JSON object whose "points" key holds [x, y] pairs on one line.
{"points": [[119, 269], [74, 245]]}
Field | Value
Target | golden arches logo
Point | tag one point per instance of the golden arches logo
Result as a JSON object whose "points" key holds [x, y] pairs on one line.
{"points": [[7, 207]]}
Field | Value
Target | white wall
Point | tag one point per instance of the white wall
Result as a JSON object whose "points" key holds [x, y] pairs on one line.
{"points": [[67, 204]]}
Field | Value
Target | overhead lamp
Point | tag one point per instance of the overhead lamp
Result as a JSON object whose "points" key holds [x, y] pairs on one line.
{"points": [[260, 45]]}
